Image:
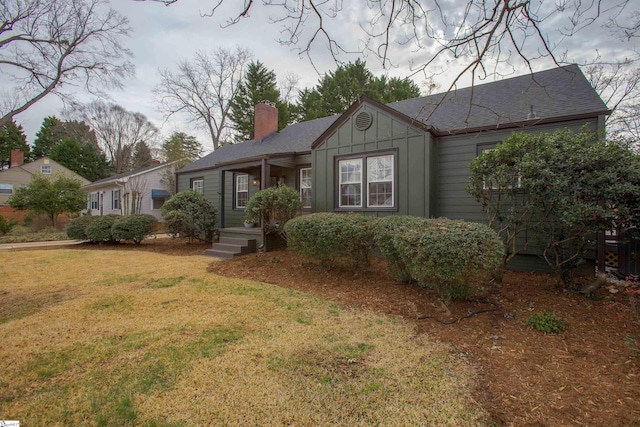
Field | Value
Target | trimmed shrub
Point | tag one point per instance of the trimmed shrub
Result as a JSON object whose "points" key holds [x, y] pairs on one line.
{"points": [[189, 214], [99, 228], [6, 225], [274, 207], [134, 227], [329, 237], [439, 253], [77, 228]]}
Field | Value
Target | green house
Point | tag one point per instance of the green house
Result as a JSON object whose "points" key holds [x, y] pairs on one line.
{"points": [[405, 158]]}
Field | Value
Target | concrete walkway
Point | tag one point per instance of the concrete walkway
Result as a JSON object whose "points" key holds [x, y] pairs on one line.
{"points": [[8, 246], [49, 243]]}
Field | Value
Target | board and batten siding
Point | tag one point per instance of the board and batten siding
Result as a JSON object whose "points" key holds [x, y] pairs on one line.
{"points": [[211, 179], [455, 154], [414, 167]]}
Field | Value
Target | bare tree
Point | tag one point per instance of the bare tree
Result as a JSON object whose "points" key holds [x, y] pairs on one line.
{"points": [[202, 88], [618, 84], [48, 45], [118, 130], [479, 39]]}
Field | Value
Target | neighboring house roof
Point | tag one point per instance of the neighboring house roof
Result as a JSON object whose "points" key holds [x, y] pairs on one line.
{"points": [[34, 167], [558, 94], [126, 175]]}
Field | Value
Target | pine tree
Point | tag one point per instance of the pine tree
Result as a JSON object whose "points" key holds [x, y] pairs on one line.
{"points": [[48, 136], [86, 160], [142, 156], [259, 84], [11, 137]]}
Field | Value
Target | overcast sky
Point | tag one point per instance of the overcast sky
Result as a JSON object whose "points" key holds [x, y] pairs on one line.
{"points": [[163, 35]]}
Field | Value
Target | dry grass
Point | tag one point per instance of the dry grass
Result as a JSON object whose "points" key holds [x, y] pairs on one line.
{"points": [[122, 338]]}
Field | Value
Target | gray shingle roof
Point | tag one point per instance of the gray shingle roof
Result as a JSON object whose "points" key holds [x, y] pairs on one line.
{"points": [[561, 92], [556, 93], [296, 138]]}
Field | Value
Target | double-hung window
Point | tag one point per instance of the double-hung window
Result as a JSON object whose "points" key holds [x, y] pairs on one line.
{"points": [[115, 199], [367, 182], [242, 190], [350, 185], [93, 201], [6, 188], [197, 185], [305, 187]]}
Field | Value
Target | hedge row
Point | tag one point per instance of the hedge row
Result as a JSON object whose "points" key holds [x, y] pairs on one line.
{"points": [[112, 228], [438, 253]]}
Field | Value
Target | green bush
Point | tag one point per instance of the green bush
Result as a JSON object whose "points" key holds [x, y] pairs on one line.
{"points": [[438, 253], [274, 207], [6, 225], [77, 228], [134, 227], [546, 322], [190, 215], [329, 237], [99, 228]]}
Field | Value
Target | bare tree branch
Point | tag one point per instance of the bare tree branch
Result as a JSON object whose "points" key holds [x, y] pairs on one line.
{"points": [[202, 89], [47, 45], [117, 130]]}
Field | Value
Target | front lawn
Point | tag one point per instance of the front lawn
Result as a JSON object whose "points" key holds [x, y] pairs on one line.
{"points": [[104, 337]]}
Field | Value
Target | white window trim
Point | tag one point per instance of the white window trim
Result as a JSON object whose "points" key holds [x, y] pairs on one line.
{"points": [[200, 185], [341, 182], [47, 167], [306, 187], [238, 190], [392, 181], [115, 197]]}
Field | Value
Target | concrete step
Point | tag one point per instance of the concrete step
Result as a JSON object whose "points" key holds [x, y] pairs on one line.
{"points": [[220, 254], [228, 247]]}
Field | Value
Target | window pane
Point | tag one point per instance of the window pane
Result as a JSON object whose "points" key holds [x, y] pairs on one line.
{"points": [[242, 190], [380, 168], [305, 196], [380, 181], [197, 185], [6, 189], [381, 194], [350, 171], [350, 195]]}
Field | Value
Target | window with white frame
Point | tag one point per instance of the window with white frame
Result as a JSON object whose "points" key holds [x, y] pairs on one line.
{"points": [[197, 185], [380, 181], [369, 178], [93, 201], [488, 184], [305, 187], [350, 183], [115, 199], [45, 169], [242, 190], [6, 188]]}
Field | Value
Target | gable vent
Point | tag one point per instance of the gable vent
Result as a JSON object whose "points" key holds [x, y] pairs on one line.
{"points": [[363, 120]]}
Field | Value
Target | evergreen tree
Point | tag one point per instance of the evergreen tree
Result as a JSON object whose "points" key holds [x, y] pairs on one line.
{"points": [[337, 90], [11, 137], [86, 160], [48, 136], [259, 84], [182, 147], [142, 156]]}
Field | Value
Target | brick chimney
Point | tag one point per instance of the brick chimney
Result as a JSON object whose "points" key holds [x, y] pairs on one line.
{"points": [[265, 120], [17, 158]]}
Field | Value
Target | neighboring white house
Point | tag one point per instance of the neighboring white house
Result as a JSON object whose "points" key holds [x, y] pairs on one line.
{"points": [[142, 191]]}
